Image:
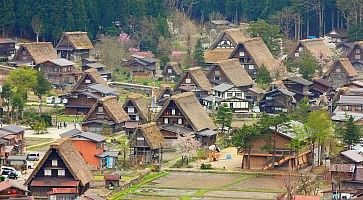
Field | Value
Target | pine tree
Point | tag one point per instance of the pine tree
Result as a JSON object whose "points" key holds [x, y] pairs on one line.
{"points": [[263, 76], [351, 132], [198, 53], [7, 16], [22, 15], [79, 15], [224, 117]]}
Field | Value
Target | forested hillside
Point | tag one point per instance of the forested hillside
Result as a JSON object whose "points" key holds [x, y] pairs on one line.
{"points": [[298, 18]]}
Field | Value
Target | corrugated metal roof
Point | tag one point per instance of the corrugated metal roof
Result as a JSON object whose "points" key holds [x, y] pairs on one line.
{"points": [[351, 100], [300, 80], [62, 62], [352, 155], [102, 89], [223, 87]]}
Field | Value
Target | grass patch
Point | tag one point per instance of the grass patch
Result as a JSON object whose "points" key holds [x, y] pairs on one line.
{"points": [[200, 193], [185, 198], [98, 178], [37, 144], [146, 179], [70, 118]]}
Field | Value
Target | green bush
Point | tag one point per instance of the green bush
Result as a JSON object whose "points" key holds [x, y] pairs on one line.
{"points": [[205, 166], [2, 178]]}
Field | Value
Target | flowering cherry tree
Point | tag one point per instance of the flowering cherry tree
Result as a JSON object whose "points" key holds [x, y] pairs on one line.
{"points": [[187, 146]]}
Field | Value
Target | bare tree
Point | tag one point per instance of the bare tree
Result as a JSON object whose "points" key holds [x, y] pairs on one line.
{"points": [[319, 8], [37, 25], [285, 19]]}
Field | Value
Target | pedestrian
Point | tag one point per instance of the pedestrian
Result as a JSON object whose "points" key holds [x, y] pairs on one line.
{"points": [[64, 124]]}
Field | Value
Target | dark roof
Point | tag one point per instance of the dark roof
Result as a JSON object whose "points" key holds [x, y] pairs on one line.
{"points": [[96, 65], [350, 45], [71, 158], [352, 155], [70, 133], [11, 184], [300, 80], [13, 128], [324, 82], [223, 87], [177, 129], [112, 177], [149, 60], [89, 135], [103, 89], [341, 32], [55, 182]]}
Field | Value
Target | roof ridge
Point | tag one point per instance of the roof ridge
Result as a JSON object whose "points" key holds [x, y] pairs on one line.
{"points": [[182, 95]]}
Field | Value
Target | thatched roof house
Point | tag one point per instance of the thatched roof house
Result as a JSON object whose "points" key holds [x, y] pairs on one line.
{"points": [[34, 53], [61, 155], [317, 47], [90, 76], [152, 135], [230, 71], [138, 102], [340, 72], [194, 78], [75, 40]]}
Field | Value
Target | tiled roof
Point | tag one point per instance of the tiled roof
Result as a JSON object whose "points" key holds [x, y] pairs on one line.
{"points": [[351, 100], [352, 155], [13, 128]]}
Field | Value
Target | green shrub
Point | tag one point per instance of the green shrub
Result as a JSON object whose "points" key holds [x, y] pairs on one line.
{"points": [[205, 166]]}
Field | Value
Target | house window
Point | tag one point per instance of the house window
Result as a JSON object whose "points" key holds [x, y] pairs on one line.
{"points": [[87, 81], [54, 163], [238, 94], [130, 109], [166, 120], [251, 67], [216, 78], [241, 53], [188, 80], [172, 111], [359, 108], [61, 172], [338, 70], [180, 121], [217, 73], [268, 98], [229, 94], [297, 55], [170, 71], [100, 109], [357, 57], [347, 108], [166, 95], [357, 51], [47, 172]]}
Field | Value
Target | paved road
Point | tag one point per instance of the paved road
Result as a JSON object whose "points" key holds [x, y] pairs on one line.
{"points": [[53, 133]]}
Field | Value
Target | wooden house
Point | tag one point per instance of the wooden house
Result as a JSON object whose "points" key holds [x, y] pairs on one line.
{"points": [[7, 47], [11, 189], [316, 47], [277, 100], [261, 158], [14, 137], [254, 94], [355, 56], [61, 173], [162, 95], [230, 72], [106, 111], [32, 54], [354, 84], [349, 105], [321, 87], [89, 145], [337, 35], [172, 72], [3, 151], [183, 114], [112, 181], [146, 144], [299, 86], [74, 46], [88, 63], [109, 159], [81, 98], [137, 108], [345, 47], [253, 53], [60, 71], [230, 95], [346, 177], [341, 72], [224, 45], [194, 80], [219, 24], [142, 67]]}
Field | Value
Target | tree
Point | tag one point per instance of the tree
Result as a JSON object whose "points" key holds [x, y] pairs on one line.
{"points": [[285, 19], [37, 25], [41, 88], [319, 128], [224, 117], [112, 52], [7, 16], [270, 34], [123, 143], [302, 110], [243, 138], [22, 80], [350, 132], [263, 76], [106, 129], [306, 64], [187, 147], [198, 53], [17, 104], [6, 95]]}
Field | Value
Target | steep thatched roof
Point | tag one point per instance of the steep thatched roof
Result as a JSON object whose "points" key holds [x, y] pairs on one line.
{"points": [[152, 135], [173, 65], [192, 110], [140, 103], [199, 78], [93, 75], [78, 40], [234, 35], [111, 106], [346, 65], [71, 158], [260, 53], [317, 48], [38, 51], [216, 55], [234, 72]]}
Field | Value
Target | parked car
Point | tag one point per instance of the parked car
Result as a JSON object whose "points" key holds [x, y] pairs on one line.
{"points": [[29, 165], [33, 156], [9, 172], [50, 100]]}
